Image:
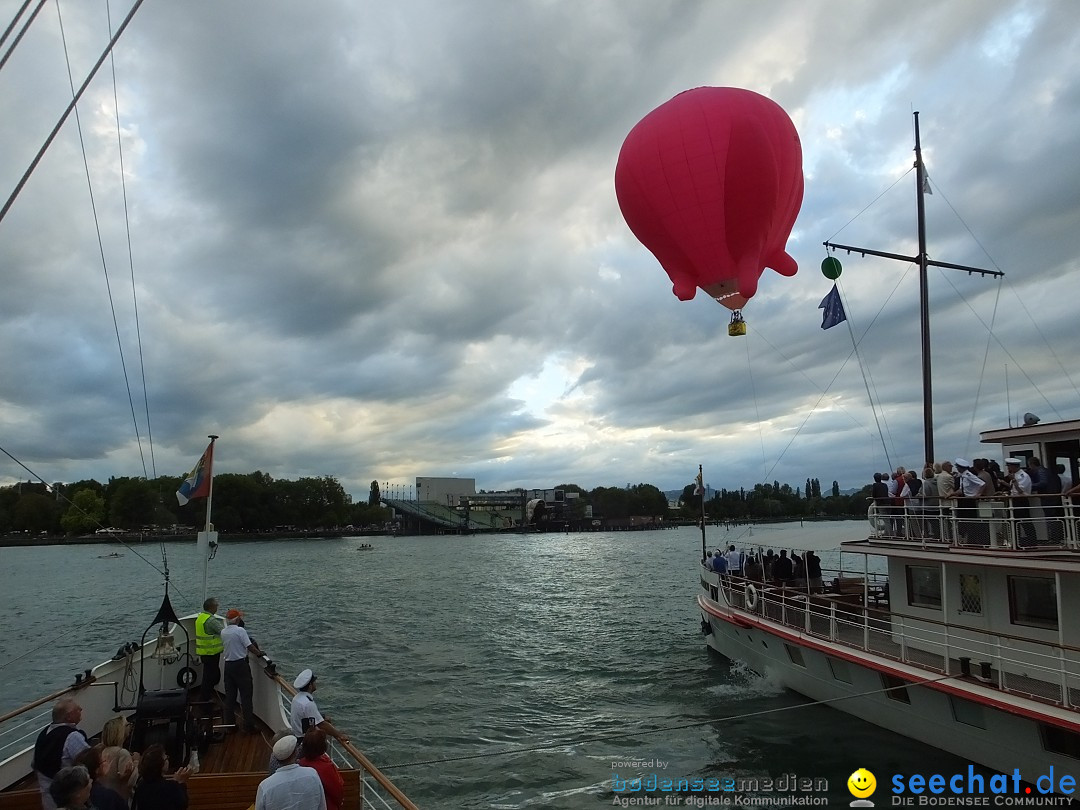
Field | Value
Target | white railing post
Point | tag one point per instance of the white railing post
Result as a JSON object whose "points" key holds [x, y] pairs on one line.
{"points": [[1000, 663]]}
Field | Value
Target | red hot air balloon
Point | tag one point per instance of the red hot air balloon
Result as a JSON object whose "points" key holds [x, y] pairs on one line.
{"points": [[711, 182]]}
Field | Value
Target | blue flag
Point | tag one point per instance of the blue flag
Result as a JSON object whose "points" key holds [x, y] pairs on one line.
{"points": [[834, 309]]}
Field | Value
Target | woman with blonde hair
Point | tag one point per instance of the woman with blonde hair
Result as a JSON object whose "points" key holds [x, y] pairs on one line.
{"points": [[115, 732]]}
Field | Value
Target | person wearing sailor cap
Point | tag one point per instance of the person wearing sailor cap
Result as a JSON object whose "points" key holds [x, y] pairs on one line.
{"points": [[305, 714], [290, 786], [1019, 489]]}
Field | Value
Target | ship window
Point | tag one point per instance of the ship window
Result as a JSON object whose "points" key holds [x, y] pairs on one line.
{"points": [[897, 688], [1033, 602], [1060, 741], [924, 586], [795, 654], [968, 713], [840, 670], [970, 594]]}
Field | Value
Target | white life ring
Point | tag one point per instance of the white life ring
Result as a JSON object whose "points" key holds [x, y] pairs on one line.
{"points": [[750, 598]]}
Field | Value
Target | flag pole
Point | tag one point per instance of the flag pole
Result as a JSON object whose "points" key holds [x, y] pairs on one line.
{"points": [[701, 481], [208, 538]]}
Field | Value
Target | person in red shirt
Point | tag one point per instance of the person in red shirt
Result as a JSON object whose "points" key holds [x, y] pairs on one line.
{"points": [[313, 755]]}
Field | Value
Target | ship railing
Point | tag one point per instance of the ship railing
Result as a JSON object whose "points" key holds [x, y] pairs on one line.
{"points": [[1038, 670], [376, 789], [999, 522]]}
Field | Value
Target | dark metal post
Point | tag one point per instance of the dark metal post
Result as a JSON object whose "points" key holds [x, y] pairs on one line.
{"points": [[702, 480], [924, 303]]}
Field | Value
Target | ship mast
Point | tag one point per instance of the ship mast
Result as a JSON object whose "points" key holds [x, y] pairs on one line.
{"points": [[924, 301], [924, 263]]}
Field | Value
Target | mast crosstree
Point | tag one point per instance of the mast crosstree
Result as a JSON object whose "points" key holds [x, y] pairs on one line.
{"points": [[924, 263]]}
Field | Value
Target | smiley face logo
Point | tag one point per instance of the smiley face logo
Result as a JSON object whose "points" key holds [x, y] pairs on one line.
{"points": [[862, 783]]}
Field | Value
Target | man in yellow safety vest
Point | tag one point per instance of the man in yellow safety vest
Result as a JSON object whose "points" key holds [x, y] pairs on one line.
{"points": [[208, 647]]}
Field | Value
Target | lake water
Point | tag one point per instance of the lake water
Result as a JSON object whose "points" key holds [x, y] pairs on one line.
{"points": [[445, 657]]}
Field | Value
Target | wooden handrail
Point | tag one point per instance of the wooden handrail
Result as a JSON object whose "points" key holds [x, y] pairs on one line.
{"points": [[366, 764], [75, 687]]}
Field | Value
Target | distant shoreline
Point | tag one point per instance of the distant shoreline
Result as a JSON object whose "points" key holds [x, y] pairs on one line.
{"points": [[19, 541]]}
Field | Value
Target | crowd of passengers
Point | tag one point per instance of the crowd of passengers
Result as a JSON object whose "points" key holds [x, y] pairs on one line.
{"points": [[959, 484], [766, 567]]}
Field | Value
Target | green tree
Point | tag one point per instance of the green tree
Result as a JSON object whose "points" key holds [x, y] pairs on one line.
{"points": [[36, 513], [85, 514], [610, 502], [132, 503], [645, 499]]}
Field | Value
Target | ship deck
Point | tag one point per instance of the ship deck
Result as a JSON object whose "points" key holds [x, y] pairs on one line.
{"points": [[843, 618], [230, 771]]}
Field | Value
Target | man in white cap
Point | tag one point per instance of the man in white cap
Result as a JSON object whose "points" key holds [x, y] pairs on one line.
{"points": [[290, 787], [1019, 489], [305, 715]]}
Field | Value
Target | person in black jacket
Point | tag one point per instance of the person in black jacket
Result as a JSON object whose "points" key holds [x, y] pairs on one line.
{"points": [[58, 745], [155, 791]]}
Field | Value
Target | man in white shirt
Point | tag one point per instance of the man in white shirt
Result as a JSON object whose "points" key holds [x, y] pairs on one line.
{"points": [[973, 532], [305, 715], [734, 561], [1019, 489], [290, 786], [237, 644]]}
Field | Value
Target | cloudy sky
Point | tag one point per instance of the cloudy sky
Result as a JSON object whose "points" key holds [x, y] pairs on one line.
{"points": [[381, 240]]}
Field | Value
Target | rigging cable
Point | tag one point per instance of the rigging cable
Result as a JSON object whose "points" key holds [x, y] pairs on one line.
{"points": [[982, 371], [866, 384], [836, 375], [22, 31], [1004, 348], [650, 732], [69, 630], [101, 243], [131, 258], [49, 487], [1023, 306], [67, 111]]}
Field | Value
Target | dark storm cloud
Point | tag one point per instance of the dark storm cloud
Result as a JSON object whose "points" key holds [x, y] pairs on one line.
{"points": [[380, 242]]}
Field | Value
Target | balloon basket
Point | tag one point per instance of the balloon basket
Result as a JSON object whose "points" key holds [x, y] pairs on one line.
{"points": [[737, 327]]}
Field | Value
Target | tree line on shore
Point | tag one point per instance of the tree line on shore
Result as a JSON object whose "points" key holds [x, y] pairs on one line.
{"points": [[256, 502]]}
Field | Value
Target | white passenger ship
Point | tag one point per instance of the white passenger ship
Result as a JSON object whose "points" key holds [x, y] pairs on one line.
{"points": [[974, 649], [952, 623]]}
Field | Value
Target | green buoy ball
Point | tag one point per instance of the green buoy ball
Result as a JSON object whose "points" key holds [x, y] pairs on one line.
{"points": [[831, 269]]}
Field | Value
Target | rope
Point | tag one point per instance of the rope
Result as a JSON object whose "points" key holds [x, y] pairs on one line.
{"points": [[100, 241], [1023, 306], [836, 375], [22, 31], [131, 259], [862, 367], [646, 732], [54, 639]]}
